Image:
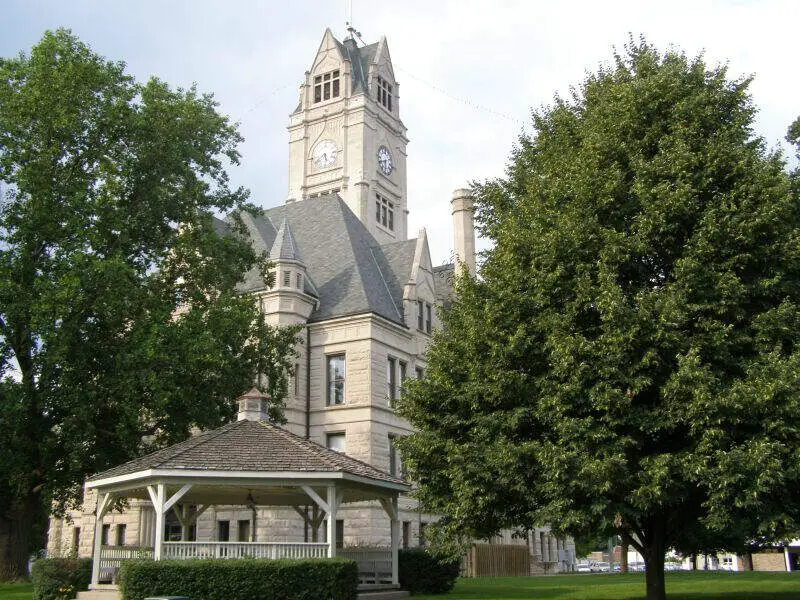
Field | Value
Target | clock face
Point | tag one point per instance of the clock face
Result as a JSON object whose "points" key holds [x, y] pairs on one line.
{"points": [[325, 154], [385, 160]]}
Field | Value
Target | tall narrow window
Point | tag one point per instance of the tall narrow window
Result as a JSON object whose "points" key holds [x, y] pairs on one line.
{"points": [[428, 318], [296, 379], [243, 533], [338, 532], [384, 212], [104, 534], [336, 379], [384, 92], [299, 281], [391, 381], [223, 531], [403, 373], [420, 314], [120, 541], [287, 278], [392, 456], [326, 86], [76, 540], [422, 541], [406, 533], [419, 372]]}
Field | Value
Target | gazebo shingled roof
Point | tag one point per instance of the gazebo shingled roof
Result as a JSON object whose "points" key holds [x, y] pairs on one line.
{"points": [[252, 446]]}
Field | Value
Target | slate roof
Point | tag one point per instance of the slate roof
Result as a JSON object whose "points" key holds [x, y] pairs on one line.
{"points": [[443, 276], [249, 446], [360, 59], [346, 268], [284, 247]]}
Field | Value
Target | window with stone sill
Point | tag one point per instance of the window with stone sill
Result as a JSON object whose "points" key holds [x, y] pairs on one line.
{"points": [[384, 92], [384, 212], [391, 380], [335, 441], [403, 373], [392, 457], [335, 379], [326, 86], [121, 529]]}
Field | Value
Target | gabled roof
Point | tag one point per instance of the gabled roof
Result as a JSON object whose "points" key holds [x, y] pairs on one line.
{"points": [[252, 447], [351, 272]]}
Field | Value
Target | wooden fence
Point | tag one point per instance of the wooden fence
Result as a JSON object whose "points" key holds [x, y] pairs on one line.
{"points": [[495, 560]]}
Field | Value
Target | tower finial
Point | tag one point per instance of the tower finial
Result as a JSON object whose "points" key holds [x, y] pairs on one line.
{"points": [[350, 28]]}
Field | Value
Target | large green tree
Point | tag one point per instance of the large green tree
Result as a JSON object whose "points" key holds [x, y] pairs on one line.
{"points": [[120, 326], [628, 360]]}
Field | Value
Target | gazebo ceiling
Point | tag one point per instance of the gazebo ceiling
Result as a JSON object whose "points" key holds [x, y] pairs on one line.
{"points": [[258, 495]]}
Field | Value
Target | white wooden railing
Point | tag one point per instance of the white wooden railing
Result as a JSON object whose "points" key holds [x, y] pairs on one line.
{"points": [[111, 557], [374, 564], [188, 550]]}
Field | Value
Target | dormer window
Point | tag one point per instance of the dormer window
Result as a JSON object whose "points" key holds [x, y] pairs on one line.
{"points": [[326, 86], [384, 93]]}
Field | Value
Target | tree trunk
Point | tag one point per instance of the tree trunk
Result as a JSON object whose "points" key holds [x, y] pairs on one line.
{"points": [[623, 557], [16, 532], [694, 562], [654, 563]]}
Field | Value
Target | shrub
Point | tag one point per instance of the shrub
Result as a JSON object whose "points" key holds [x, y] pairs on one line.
{"points": [[242, 579], [423, 573], [60, 578]]}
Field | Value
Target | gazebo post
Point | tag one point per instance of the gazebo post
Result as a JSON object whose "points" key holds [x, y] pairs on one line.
{"points": [[390, 506], [103, 504], [157, 498], [332, 509]]}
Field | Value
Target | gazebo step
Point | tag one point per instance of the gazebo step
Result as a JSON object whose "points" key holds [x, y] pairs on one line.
{"points": [[99, 595], [389, 594]]}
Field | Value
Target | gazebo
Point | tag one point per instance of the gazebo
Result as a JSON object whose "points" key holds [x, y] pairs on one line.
{"points": [[248, 462]]}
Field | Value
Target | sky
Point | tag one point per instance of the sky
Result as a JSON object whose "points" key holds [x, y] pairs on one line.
{"points": [[470, 71]]}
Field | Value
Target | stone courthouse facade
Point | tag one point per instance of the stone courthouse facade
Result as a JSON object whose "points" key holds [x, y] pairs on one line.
{"points": [[364, 291]]}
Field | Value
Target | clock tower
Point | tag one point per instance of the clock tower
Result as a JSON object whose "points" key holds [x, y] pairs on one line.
{"points": [[346, 136]]}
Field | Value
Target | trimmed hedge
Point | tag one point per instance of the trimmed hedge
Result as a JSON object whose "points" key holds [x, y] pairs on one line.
{"points": [[240, 579], [57, 578], [422, 573]]}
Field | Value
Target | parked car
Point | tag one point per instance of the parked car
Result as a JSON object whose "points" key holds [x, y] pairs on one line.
{"points": [[601, 567], [583, 567]]}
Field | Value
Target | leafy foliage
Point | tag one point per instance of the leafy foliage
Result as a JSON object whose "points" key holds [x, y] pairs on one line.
{"points": [[243, 579], [57, 578], [629, 360], [421, 572], [119, 316]]}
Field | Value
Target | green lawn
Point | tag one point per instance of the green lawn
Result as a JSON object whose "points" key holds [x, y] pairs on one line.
{"points": [[680, 586], [16, 591]]}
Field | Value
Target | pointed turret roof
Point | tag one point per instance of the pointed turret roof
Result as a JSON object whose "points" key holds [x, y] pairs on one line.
{"points": [[284, 247]]}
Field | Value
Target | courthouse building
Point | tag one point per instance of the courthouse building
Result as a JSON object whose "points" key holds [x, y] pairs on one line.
{"points": [[365, 292]]}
